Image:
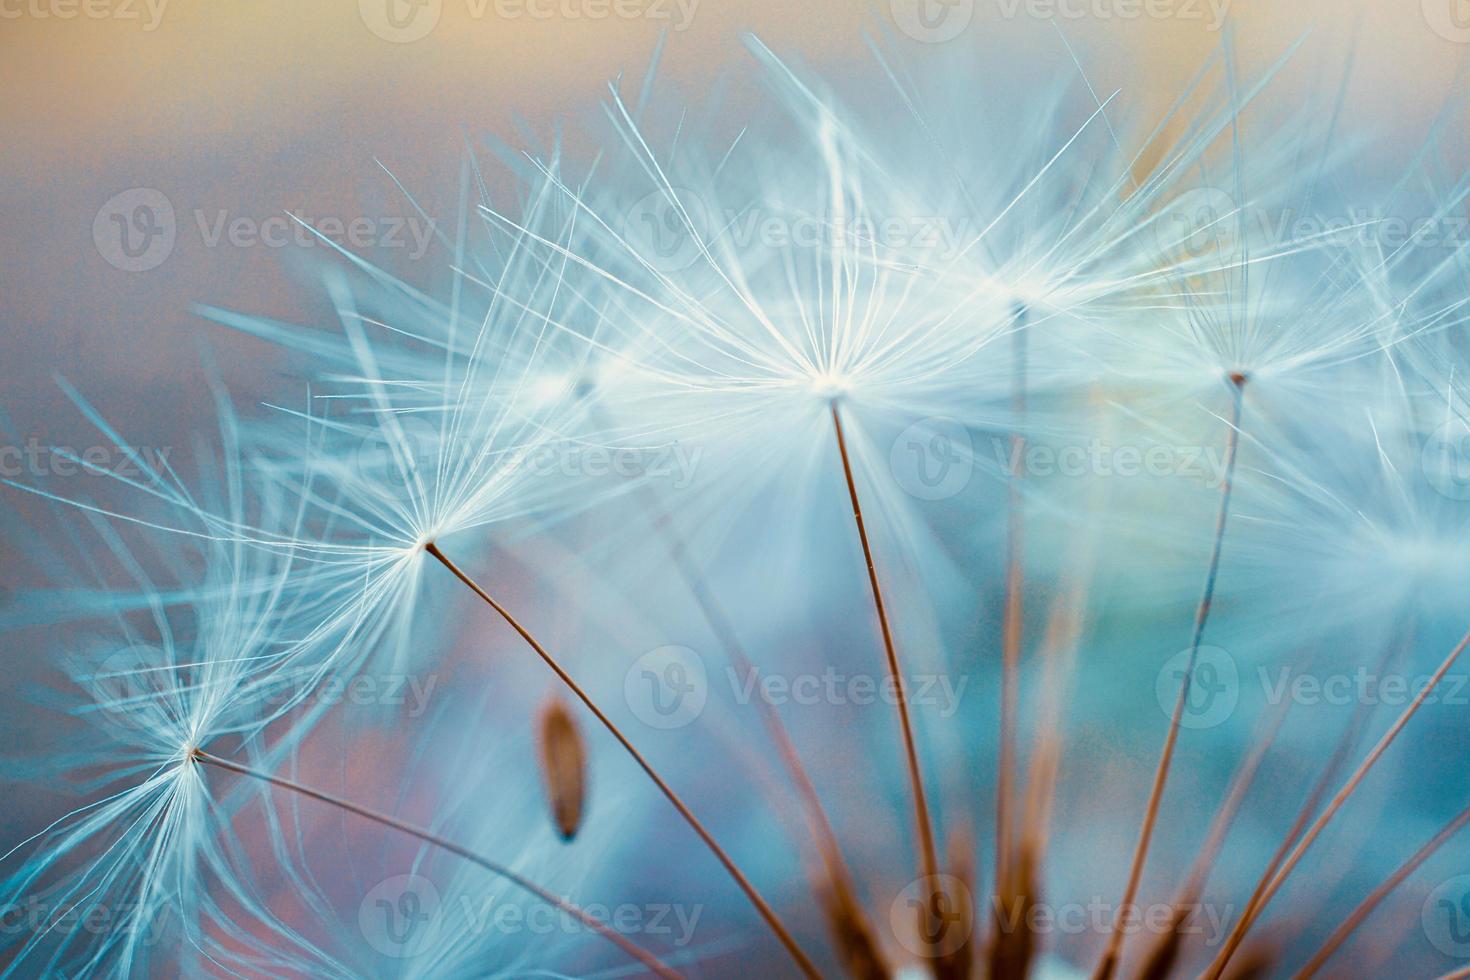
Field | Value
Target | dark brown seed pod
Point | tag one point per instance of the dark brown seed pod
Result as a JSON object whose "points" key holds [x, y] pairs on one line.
{"points": [[563, 767]]}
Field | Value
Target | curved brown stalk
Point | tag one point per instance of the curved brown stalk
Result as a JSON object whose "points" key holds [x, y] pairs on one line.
{"points": [[1375, 897], [1011, 617], [960, 962], [622, 942], [766, 912], [1165, 953], [1321, 785], [930, 860], [846, 913], [1013, 946], [1108, 965], [1308, 838], [1161, 959]]}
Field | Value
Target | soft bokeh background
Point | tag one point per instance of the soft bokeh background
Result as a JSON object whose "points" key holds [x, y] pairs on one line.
{"points": [[247, 111], [252, 110]]}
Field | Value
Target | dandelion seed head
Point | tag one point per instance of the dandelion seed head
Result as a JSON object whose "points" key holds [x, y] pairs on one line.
{"points": [[831, 387], [150, 851], [761, 287]]}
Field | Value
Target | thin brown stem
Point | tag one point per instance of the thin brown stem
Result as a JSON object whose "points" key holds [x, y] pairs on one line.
{"points": [[1109, 963], [818, 822], [921, 806], [1160, 961], [632, 949], [1011, 617], [761, 906], [1375, 897], [1336, 804], [1320, 786]]}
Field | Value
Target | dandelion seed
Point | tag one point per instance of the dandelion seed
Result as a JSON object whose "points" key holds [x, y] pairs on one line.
{"points": [[563, 767]]}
